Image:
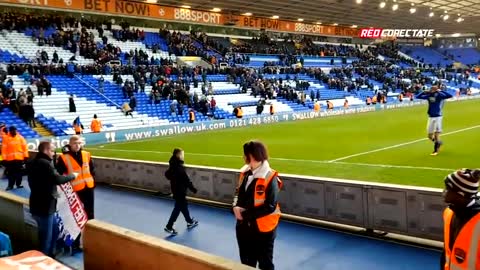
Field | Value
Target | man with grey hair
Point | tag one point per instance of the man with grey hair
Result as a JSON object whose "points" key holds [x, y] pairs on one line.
{"points": [[80, 161]]}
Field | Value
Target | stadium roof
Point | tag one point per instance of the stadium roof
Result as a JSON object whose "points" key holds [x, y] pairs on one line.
{"points": [[349, 13]]}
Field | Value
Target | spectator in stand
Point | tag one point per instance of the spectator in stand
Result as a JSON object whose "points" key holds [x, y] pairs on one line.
{"points": [[71, 104]]}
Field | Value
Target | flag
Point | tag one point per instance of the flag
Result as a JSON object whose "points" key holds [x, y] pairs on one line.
{"points": [[71, 215]]}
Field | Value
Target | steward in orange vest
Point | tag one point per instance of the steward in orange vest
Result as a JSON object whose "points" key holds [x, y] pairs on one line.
{"points": [[96, 125], [272, 110], [4, 136], [77, 126], [256, 207], [77, 160], [191, 116], [14, 155], [316, 107], [461, 221], [345, 104]]}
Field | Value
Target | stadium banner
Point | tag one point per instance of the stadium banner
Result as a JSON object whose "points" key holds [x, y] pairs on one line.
{"points": [[154, 11], [253, 120]]}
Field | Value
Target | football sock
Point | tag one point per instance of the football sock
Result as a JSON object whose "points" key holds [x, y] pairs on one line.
{"points": [[437, 145]]}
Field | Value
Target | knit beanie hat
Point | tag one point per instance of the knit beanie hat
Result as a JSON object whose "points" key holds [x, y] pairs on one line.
{"points": [[465, 182]]}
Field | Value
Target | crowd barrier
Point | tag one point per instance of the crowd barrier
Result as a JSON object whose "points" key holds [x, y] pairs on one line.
{"points": [[110, 247], [16, 221], [105, 246], [410, 211], [150, 132]]}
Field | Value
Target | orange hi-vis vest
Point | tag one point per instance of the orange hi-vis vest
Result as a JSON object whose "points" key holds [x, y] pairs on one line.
{"points": [[465, 254], [84, 178], [316, 107], [272, 110], [239, 112], [345, 104], [95, 126], [14, 148], [269, 222], [77, 128]]}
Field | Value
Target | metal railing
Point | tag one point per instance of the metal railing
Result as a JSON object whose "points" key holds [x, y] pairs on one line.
{"points": [[98, 92]]}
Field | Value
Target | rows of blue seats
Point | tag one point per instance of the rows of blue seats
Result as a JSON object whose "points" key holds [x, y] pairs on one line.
{"points": [[155, 39], [47, 32], [10, 119], [78, 88], [226, 91], [7, 57], [54, 126], [114, 93]]}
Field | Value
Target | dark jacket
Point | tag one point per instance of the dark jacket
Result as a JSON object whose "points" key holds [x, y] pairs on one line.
{"points": [[179, 179], [245, 198], [62, 167], [43, 180], [460, 217]]}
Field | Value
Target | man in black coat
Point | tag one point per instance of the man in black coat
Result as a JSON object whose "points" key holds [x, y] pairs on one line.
{"points": [[43, 179], [180, 182]]}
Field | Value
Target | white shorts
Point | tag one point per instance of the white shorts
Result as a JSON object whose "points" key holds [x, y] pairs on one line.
{"points": [[434, 124]]}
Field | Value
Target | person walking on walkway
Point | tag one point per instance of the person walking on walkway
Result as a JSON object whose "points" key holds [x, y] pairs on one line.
{"points": [[180, 183]]}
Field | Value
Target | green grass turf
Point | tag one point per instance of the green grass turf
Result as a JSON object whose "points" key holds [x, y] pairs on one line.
{"points": [[310, 144]]}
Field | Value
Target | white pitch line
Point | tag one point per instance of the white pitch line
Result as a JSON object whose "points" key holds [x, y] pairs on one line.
{"points": [[400, 144], [287, 159]]}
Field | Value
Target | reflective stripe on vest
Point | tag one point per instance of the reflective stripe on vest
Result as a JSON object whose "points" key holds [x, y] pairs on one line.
{"points": [[269, 222], [463, 256], [84, 177]]}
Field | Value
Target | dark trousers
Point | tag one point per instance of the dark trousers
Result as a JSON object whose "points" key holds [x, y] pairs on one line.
{"points": [[47, 233], [87, 198], [181, 205], [14, 175], [255, 247]]}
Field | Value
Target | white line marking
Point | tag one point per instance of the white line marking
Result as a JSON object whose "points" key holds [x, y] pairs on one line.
{"points": [[401, 144], [286, 159]]}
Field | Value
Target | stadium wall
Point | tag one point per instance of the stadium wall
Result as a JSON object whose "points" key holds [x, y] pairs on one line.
{"points": [[105, 245], [254, 120], [16, 221], [405, 210]]}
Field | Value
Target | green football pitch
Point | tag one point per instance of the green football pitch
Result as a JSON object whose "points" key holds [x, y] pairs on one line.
{"points": [[385, 146]]}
